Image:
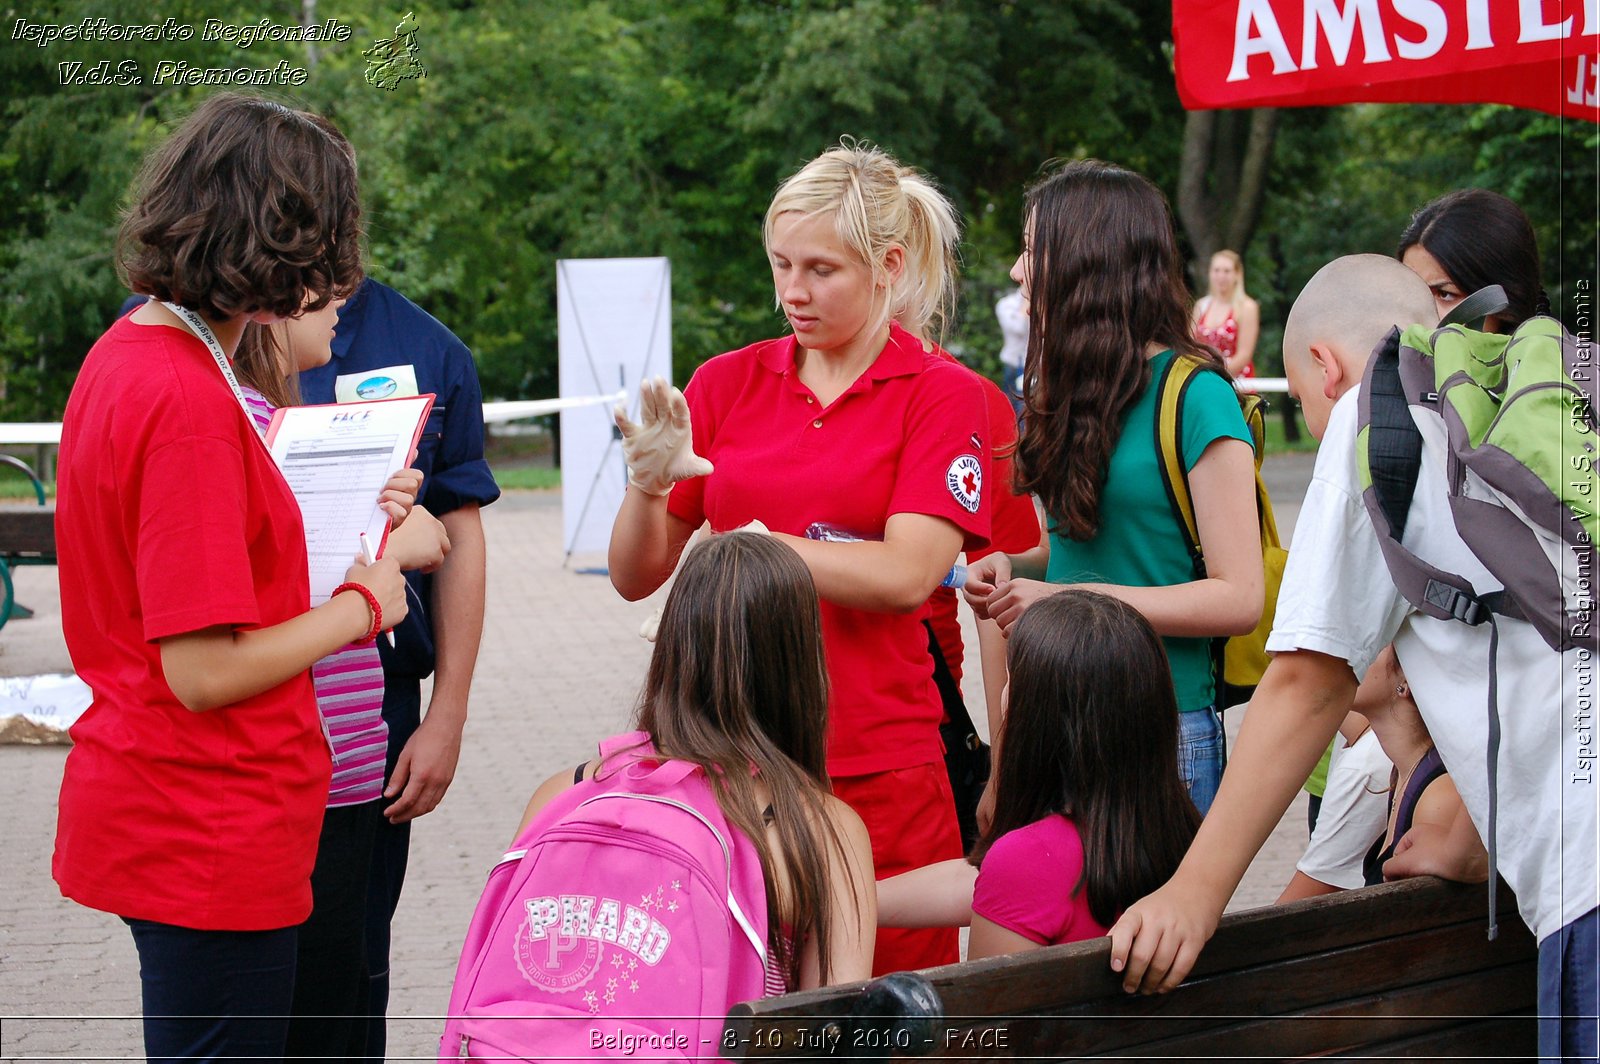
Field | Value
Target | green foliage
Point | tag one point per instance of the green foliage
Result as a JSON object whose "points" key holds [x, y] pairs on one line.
{"points": [[554, 129], [527, 477]]}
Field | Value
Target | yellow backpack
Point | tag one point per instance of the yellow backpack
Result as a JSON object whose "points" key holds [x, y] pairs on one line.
{"points": [[1241, 659]]}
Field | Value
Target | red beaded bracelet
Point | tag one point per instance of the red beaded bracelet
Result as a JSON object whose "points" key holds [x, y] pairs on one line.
{"points": [[372, 604]]}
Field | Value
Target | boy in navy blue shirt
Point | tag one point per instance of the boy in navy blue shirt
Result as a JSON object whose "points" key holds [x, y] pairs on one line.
{"points": [[386, 345]]}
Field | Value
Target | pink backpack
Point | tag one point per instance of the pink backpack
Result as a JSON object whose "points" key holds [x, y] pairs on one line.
{"points": [[626, 920]]}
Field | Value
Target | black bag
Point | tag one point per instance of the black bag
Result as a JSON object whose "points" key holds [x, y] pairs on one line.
{"points": [[966, 757]]}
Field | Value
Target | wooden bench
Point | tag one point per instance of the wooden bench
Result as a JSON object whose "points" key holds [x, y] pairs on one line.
{"points": [[27, 537], [1396, 971]]}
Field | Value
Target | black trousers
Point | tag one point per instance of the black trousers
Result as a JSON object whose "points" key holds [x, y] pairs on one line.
{"points": [[214, 995], [402, 711], [329, 1019]]}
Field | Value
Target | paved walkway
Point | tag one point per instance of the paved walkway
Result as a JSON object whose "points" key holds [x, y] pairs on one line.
{"points": [[560, 667]]}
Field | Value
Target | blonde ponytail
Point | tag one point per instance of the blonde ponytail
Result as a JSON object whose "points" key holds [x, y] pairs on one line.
{"points": [[878, 204]]}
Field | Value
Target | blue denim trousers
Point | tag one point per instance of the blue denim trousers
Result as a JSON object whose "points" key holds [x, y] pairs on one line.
{"points": [[1202, 753], [1569, 991]]}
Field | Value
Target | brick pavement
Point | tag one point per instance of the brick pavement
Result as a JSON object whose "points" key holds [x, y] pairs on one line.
{"points": [[560, 667]]}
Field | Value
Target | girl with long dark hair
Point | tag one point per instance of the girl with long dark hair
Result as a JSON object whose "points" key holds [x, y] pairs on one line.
{"points": [[738, 685], [1101, 269], [1089, 812], [1470, 239]]}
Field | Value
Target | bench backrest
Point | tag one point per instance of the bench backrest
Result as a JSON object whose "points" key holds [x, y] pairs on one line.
{"points": [[1404, 969]]}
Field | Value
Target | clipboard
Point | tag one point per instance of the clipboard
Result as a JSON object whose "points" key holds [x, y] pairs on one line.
{"points": [[336, 457]]}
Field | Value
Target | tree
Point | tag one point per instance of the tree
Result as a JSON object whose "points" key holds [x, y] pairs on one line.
{"points": [[1222, 179]]}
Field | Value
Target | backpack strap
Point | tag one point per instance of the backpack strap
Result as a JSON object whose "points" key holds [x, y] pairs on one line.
{"points": [[1389, 448], [628, 741], [621, 753], [1479, 305], [1170, 392]]}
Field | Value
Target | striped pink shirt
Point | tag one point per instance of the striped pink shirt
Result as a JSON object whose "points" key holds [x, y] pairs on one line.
{"points": [[349, 686]]}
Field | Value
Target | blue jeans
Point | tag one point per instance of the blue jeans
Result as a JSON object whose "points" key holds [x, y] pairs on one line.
{"points": [[214, 995], [1569, 993], [1202, 753], [1013, 388]]}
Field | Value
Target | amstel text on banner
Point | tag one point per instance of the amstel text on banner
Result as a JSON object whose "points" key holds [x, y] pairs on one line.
{"points": [[1539, 54]]}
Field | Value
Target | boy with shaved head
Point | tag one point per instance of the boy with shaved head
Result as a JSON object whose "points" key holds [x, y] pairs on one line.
{"points": [[1337, 609]]}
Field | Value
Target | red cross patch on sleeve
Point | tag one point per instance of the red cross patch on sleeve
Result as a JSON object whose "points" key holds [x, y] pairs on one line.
{"points": [[964, 478]]}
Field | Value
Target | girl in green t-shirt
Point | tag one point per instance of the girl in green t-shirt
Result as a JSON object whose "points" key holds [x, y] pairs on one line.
{"points": [[1109, 311]]}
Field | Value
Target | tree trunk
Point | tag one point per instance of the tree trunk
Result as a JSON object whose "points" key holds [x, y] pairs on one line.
{"points": [[308, 18], [1222, 180]]}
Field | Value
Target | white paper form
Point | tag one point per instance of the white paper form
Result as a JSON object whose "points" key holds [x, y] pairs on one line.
{"points": [[337, 458]]}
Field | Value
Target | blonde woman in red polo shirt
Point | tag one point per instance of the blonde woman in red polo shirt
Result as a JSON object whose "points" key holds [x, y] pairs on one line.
{"points": [[853, 421], [192, 799]]}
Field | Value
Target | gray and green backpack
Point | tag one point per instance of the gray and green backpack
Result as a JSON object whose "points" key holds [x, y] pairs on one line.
{"points": [[1521, 439]]}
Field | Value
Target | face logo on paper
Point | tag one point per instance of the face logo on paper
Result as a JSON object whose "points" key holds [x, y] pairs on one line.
{"points": [[964, 478], [377, 387]]}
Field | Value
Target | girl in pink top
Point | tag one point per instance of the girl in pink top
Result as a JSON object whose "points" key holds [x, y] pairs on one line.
{"points": [[1089, 810]]}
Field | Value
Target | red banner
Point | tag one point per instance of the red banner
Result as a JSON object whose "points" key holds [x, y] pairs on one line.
{"points": [[1539, 54]]}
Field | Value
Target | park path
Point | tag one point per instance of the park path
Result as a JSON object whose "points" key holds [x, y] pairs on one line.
{"points": [[560, 667]]}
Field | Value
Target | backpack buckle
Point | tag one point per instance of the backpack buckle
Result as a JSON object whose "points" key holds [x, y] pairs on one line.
{"points": [[1431, 398], [1457, 603]]}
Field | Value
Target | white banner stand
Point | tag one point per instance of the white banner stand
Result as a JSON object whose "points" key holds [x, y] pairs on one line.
{"points": [[614, 318]]}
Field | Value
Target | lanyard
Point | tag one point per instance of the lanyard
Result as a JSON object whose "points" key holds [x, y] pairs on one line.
{"points": [[198, 326]]}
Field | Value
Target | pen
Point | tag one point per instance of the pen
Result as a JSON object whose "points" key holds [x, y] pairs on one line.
{"points": [[369, 556]]}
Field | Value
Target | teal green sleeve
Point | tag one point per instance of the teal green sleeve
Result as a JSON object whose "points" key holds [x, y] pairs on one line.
{"points": [[1210, 413]]}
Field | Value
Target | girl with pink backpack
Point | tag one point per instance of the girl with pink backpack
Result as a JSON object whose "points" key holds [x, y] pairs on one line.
{"points": [[695, 863]]}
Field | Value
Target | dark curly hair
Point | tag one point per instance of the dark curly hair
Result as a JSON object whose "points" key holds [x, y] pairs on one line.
{"points": [[1481, 238], [249, 206], [1106, 282]]}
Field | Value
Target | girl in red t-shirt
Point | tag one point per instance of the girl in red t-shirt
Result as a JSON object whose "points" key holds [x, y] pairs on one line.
{"points": [[851, 421], [191, 801], [1089, 812]]}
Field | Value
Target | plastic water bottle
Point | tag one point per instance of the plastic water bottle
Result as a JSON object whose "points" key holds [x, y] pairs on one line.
{"points": [[828, 533]]}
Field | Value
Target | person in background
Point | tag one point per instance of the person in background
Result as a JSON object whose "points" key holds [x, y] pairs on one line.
{"points": [[1228, 319], [1351, 814], [328, 1018], [1014, 526], [385, 345], [1379, 795], [1471, 239], [858, 423], [1012, 312]]}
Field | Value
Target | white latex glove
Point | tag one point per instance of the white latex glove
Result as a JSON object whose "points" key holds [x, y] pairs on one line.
{"points": [[660, 449], [651, 626]]}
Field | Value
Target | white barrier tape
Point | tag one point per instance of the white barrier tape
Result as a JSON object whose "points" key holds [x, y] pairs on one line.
{"points": [[494, 413], [1263, 384], [49, 433], [46, 433], [30, 432]]}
